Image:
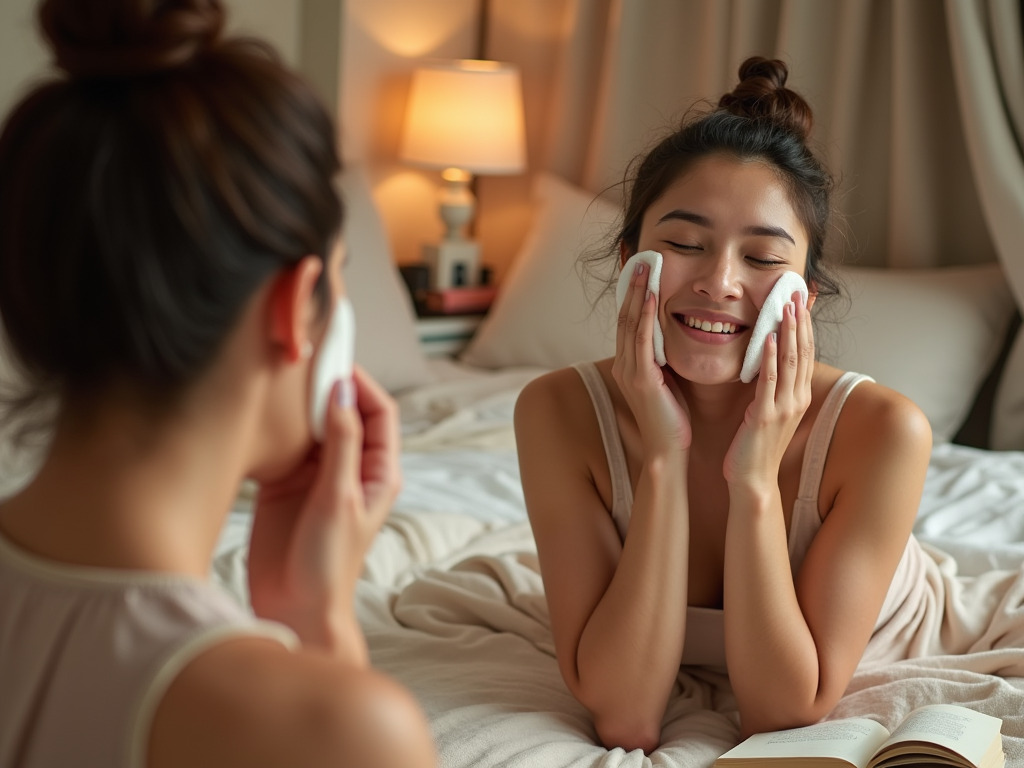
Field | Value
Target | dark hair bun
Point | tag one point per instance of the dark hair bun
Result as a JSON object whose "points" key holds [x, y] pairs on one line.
{"points": [[127, 38], [762, 93]]}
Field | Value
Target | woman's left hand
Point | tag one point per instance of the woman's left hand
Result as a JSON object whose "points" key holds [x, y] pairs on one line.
{"points": [[782, 397]]}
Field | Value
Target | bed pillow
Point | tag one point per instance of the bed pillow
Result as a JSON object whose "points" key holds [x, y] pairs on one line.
{"points": [[931, 334], [544, 314], [386, 342]]}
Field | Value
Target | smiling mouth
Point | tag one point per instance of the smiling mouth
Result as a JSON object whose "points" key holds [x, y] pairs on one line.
{"points": [[711, 327]]}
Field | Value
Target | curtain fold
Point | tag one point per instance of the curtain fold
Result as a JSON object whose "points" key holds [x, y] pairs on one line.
{"points": [[985, 39], [931, 174], [875, 72]]}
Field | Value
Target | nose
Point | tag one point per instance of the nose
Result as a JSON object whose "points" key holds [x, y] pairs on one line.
{"points": [[718, 278]]}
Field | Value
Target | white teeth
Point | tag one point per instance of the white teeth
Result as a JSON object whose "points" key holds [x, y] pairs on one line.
{"points": [[709, 327]]}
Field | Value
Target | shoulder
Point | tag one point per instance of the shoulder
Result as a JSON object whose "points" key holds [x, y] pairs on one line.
{"points": [[555, 398], [251, 702], [879, 452], [881, 417]]}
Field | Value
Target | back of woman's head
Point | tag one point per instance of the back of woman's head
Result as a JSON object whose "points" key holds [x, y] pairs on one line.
{"points": [[760, 119], [148, 192]]}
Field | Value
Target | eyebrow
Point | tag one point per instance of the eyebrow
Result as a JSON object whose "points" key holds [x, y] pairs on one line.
{"points": [[704, 221]]}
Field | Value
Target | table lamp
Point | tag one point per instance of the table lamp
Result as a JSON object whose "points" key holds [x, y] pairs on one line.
{"points": [[464, 117]]}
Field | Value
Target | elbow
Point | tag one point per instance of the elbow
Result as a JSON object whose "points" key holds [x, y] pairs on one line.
{"points": [[779, 718], [628, 734]]}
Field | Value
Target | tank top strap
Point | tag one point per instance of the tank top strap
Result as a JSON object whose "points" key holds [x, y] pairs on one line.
{"points": [[821, 435], [622, 491]]}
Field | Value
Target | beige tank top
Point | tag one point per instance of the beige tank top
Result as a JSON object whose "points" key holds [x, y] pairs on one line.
{"points": [[86, 654], [705, 627]]}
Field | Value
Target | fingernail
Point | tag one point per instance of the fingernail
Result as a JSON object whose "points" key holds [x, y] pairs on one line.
{"points": [[775, 338], [346, 393], [639, 268], [790, 309], [647, 295]]}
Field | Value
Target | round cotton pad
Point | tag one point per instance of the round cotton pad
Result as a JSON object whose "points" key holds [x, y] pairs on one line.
{"points": [[334, 361], [768, 321], [653, 260]]}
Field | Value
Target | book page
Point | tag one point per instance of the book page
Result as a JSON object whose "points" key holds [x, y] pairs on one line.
{"points": [[961, 730], [853, 741]]}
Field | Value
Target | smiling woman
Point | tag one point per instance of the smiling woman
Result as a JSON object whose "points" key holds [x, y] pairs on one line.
{"points": [[685, 517]]}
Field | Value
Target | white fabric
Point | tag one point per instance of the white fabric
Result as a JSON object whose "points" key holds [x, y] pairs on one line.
{"points": [[387, 345], [543, 314], [452, 602], [653, 260], [769, 318], [87, 653], [931, 334]]}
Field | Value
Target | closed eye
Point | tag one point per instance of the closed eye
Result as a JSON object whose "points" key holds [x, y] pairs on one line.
{"points": [[765, 262], [681, 247]]}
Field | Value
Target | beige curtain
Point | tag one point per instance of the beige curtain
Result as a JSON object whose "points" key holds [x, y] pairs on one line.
{"points": [[919, 109], [988, 56], [878, 74]]}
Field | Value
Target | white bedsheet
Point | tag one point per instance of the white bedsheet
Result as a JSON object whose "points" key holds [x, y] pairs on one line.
{"points": [[452, 602]]}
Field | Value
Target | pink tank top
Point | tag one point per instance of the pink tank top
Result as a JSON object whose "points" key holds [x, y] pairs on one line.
{"points": [[705, 627], [86, 654]]}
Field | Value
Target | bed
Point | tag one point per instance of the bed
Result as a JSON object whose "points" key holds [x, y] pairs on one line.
{"points": [[452, 603]]}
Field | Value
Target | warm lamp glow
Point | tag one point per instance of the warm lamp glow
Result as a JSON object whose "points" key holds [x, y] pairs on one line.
{"points": [[466, 114], [465, 117]]}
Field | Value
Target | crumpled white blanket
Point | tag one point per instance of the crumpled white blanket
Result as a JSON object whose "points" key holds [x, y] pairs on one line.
{"points": [[470, 637], [452, 603]]}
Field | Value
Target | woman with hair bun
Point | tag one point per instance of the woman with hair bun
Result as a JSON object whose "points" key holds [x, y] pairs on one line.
{"points": [[683, 516], [169, 268]]}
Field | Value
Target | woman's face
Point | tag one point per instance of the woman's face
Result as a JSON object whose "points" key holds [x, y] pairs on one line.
{"points": [[727, 231]]}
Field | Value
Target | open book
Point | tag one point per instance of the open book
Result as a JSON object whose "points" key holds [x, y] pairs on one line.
{"points": [[934, 735]]}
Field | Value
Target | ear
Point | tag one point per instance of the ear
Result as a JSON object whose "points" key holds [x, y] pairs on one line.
{"points": [[293, 307]]}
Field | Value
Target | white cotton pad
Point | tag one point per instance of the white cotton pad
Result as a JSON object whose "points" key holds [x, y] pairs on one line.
{"points": [[653, 261], [334, 361], [768, 321]]}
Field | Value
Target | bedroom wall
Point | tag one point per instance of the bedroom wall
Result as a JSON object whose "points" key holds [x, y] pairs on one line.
{"points": [[381, 43], [23, 56]]}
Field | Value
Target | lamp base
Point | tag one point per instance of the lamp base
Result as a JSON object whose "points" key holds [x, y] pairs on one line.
{"points": [[453, 263]]}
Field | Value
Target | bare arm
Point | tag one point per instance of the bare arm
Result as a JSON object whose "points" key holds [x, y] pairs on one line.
{"points": [[251, 702], [793, 647], [618, 611]]}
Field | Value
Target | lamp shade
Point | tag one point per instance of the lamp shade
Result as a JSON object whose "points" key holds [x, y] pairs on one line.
{"points": [[466, 114]]}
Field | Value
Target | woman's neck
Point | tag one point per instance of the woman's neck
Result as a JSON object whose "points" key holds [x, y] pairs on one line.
{"points": [[123, 491], [716, 410]]}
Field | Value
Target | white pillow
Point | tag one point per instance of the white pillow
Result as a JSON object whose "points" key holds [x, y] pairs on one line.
{"points": [[386, 342], [543, 316], [930, 334]]}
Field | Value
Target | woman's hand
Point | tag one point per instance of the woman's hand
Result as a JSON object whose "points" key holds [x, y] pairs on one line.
{"points": [[651, 392], [782, 397], [313, 528]]}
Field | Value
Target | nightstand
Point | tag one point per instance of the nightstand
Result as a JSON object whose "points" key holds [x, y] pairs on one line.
{"points": [[446, 335]]}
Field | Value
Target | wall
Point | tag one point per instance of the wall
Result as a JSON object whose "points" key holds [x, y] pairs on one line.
{"points": [[24, 57], [359, 54], [382, 41]]}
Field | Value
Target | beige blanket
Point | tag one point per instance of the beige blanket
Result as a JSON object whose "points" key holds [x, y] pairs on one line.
{"points": [[470, 636]]}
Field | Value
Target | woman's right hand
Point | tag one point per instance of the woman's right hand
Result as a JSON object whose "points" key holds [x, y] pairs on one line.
{"points": [[313, 528], [651, 392]]}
